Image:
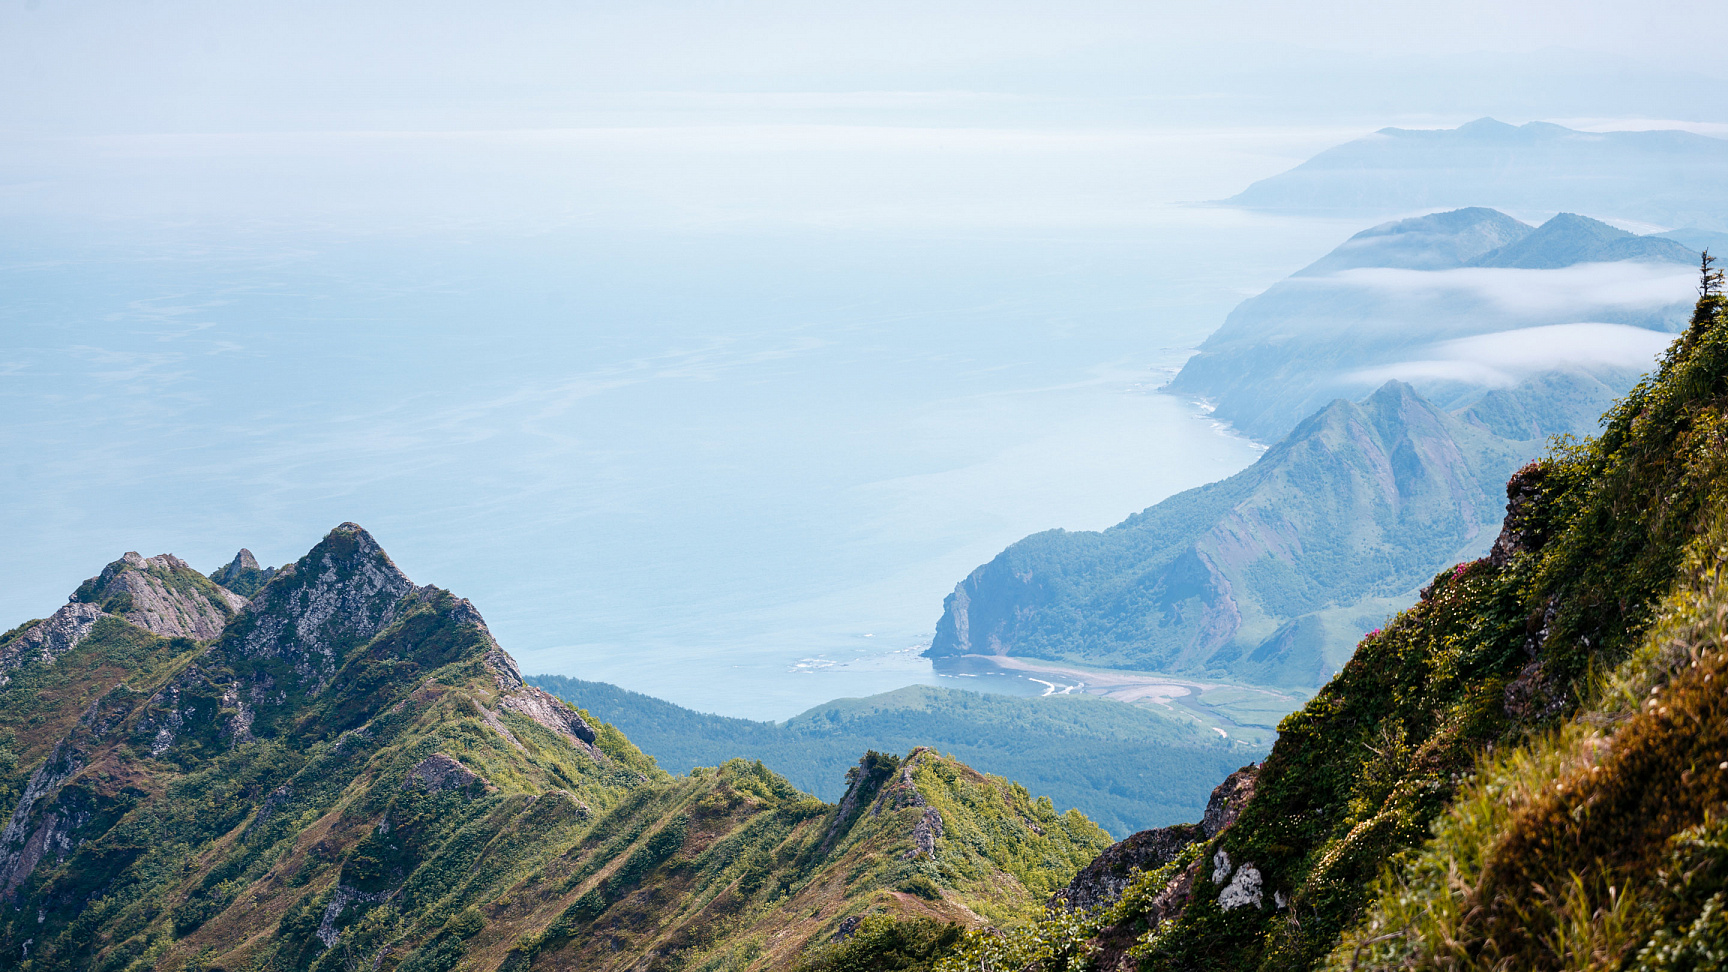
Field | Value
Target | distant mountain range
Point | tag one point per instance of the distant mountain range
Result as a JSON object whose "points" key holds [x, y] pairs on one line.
{"points": [[1438, 301], [1668, 178], [1484, 335]]}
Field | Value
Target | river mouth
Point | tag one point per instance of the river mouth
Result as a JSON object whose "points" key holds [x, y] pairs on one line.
{"points": [[1242, 713]]}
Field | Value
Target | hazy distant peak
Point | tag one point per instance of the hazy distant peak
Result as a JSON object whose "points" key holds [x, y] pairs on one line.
{"points": [[1486, 126], [1394, 394], [1569, 239], [1669, 177], [1437, 241]]}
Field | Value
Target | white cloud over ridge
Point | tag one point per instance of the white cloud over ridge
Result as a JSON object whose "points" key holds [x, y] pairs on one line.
{"points": [[1627, 284], [1502, 358]]}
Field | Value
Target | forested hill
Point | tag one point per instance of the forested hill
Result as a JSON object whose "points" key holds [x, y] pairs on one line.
{"points": [[345, 771], [1126, 767]]}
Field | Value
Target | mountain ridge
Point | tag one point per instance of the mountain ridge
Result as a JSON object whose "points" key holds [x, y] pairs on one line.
{"points": [[352, 772], [1660, 177]]}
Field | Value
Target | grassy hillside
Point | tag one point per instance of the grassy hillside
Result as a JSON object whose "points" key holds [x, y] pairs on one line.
{"points": [[353, 775], [1127, 768]]}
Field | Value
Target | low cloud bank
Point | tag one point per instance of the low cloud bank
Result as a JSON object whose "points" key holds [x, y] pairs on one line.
{"points": [[1504, 357]]}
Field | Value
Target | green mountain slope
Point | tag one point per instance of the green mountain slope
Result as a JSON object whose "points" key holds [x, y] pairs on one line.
{"points": [[352, 774], [1525, 770], [1267, 576], [1125, 767]]}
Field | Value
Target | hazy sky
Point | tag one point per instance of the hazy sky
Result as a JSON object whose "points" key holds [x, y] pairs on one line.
{"points": [[165, 66], [704, 114]]}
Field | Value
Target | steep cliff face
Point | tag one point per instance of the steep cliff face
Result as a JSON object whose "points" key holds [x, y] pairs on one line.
{"points": [[353, 774], [1248, 576]]}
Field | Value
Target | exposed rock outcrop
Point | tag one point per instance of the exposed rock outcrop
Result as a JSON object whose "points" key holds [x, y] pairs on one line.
{"points": [[342, 593], [1245, 883], [1103, 880], [49, 638], [862, 783], [1517, 534], [163, 595], [925, 833], [242, 575], [515, 695], [36, 827], [439, 772], [1227, 800]]}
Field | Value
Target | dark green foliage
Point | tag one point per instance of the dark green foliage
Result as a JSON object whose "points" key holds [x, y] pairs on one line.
{"points": [[922, 886], [1126, 767], [884, 944]]}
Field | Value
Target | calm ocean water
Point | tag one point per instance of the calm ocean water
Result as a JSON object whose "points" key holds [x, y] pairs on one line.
{"points": [[735, 462]]}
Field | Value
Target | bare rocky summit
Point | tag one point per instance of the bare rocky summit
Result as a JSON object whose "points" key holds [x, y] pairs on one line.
{"points": [[342, 593], [162, 595]]}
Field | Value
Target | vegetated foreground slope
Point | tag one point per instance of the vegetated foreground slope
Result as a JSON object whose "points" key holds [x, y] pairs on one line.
{"points": [[350, 773], [1269, 576], [1526, 770], [1125, 767]]}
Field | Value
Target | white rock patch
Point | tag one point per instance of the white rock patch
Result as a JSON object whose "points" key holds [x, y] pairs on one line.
{"points": [[1243, 890]]}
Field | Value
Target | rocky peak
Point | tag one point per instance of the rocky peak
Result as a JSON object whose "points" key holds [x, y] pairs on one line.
{"points": [[242, 575], [341, 594], [161, 594]]}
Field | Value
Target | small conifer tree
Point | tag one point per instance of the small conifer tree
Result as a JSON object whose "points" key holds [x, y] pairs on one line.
{"points": [[1709, 280]]}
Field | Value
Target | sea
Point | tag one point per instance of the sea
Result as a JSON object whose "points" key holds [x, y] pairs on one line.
{"points": [[719, 415]]}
